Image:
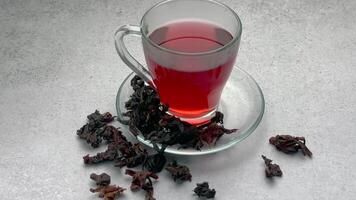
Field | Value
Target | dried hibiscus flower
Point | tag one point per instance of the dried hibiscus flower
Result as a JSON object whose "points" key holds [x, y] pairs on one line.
{"points": [[213, 132], [142, 180], [133, 156], [92, 131], [110, 154], [119, 149], [109, 192], [102, 179], [156, 162], [290, 144], [139, 178], [271, 169], [179, 172], [106, 191], [203, 190]]}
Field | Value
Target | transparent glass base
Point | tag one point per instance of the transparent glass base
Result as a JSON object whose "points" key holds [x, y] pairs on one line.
{"points": [[242, 103], [198, 120]]}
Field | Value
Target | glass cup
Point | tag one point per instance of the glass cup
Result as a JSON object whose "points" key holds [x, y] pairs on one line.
{"points": [[190, 48]]}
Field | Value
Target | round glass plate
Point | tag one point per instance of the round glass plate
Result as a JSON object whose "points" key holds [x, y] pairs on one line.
{"points": [[242, 103]]}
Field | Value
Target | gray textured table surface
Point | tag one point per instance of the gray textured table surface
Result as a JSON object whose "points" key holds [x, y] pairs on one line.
{"points": [[58, 63]]}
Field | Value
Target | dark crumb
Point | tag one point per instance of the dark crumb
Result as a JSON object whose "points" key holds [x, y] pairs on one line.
{"points": [[102, 179], [203, 190], [271, 169], [290, 144], [179, 172]]}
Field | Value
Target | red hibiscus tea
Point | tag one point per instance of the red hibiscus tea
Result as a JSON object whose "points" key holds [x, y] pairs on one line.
{"points": [[189, 67]]}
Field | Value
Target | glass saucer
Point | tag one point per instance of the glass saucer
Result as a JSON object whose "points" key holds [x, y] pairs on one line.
{"points": [[242, 103]]}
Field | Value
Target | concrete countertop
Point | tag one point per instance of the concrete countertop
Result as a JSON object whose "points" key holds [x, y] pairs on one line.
{"points": [[58, 64]]}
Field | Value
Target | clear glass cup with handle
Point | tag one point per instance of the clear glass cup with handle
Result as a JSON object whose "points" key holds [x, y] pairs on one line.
{"points": [[190, 48]]}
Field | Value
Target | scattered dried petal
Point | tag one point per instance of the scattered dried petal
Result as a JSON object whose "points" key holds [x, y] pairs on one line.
{"points": [[139, 178], [290, 144], [102, 179], [92, 131], [142, 180], [271, 169], [97, 117], [110, 132], [179, 172], [110, 154], [109, 192], [203, 190], [156, 162], [119, 149], [149, 191], [132, 156], [213, 132]]}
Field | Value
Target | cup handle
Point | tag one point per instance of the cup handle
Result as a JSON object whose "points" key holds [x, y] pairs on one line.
{"points": [[126, 56]]}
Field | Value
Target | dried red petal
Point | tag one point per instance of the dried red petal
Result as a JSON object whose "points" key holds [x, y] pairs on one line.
{"points": [[271, 169], [290, 144], [109, 192]]}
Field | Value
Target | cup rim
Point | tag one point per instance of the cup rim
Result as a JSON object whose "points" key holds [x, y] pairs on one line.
{"points": [[236, 36]]}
